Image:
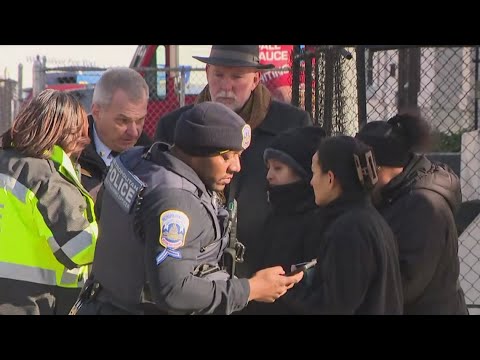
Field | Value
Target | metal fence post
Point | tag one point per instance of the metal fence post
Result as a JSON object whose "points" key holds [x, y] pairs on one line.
{"points": [[182, 86], [329, 88], [296, 53], [409, 78], [316, 75], [309, 86], [361, 86], [477, 86], [19, 99], [38, 80]]}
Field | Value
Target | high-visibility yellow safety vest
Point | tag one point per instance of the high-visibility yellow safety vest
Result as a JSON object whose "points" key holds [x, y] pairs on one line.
{"points": [[53, 249]]}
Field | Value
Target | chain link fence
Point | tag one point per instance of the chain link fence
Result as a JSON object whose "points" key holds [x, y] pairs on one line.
{"points": [[324, 84], [441, 83], [345, 87], [170, 89]]}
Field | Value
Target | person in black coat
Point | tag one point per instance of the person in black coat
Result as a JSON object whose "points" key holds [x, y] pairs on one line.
{"points": [[292, 205], [418, 199], [233, 75], [119, 107], [357, 269]]}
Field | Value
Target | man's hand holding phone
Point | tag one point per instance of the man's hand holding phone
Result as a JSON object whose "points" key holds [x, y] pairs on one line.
{"points": [[269, 284], [302, 267]]}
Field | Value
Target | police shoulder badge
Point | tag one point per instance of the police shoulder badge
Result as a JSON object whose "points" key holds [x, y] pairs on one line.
{"points": [[173, 229], [246, 136]]}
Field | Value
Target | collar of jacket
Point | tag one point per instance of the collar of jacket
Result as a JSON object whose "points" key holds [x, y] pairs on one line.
{"points": [[90, 157], [295, 198], [344, 203], [416, 168], [420, 173], [269, 124], [89, 154], [65, 166]]}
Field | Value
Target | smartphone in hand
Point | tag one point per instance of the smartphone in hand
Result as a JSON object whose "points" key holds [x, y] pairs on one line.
{"points": [[302, 267]]}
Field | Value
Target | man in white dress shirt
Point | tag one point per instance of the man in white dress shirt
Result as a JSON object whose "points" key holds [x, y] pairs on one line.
{"points": [[119, 107]]}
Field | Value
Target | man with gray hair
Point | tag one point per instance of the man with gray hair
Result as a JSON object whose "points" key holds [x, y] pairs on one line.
{"points": [[119, 107]]}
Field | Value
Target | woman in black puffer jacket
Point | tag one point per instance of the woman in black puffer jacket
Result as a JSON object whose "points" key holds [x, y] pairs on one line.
{"points": [[418, 199]]}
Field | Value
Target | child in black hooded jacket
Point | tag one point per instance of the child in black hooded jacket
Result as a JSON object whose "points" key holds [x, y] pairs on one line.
{"points": [[292, 205]]}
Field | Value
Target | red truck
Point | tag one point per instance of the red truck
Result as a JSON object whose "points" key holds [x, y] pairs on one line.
{"points": [[165, 94]]}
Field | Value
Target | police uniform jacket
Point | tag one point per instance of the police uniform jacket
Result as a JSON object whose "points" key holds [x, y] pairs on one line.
{"points": [[250, 183], [155, 249], [357, 270], [419, 204]]}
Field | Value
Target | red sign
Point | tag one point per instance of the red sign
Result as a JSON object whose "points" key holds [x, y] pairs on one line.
{"points": [[279, 55]]}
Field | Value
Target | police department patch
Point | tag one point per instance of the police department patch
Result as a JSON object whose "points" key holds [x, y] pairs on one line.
{"points": [[246, 136], [173, 229]]}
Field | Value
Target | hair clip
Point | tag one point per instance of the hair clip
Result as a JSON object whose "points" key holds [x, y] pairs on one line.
{"points": [[370, 170]]}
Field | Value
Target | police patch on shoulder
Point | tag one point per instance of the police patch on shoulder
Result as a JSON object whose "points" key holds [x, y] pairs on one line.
{"points": [[173, 229], [246, 136]]}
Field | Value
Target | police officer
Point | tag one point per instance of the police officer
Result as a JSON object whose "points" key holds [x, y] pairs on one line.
{"points": [[163, 230]]}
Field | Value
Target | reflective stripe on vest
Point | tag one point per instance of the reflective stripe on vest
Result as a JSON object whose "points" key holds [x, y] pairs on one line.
{"points": [[27, 273], [70, 276], [65, 167], [74, 246], [16, 189], [27, 248], [88, 236], [37, 275]]}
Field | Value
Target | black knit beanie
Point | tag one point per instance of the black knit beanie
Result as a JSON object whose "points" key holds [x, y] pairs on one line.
{"points": [[295, 148], [389, 146], [210, 128]]}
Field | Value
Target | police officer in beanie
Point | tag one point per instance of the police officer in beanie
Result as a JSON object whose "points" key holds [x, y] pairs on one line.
{"points": [[233, 75], [163, 231]]}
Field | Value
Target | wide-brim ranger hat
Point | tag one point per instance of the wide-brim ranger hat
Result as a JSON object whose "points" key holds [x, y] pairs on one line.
{"points": [[235, 56]]}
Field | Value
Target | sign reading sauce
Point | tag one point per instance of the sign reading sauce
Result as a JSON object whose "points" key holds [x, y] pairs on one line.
{"points": [[279, 55]]}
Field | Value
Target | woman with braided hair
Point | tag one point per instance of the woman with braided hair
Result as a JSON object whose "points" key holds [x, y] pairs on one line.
{"points": [[418, 198]]}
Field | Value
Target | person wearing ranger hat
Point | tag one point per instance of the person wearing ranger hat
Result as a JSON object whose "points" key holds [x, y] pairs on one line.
{"points": [[163, 233], [233, 76]]}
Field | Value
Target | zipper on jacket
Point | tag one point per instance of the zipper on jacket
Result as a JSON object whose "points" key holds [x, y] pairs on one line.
{"points": [[204, 248]]}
